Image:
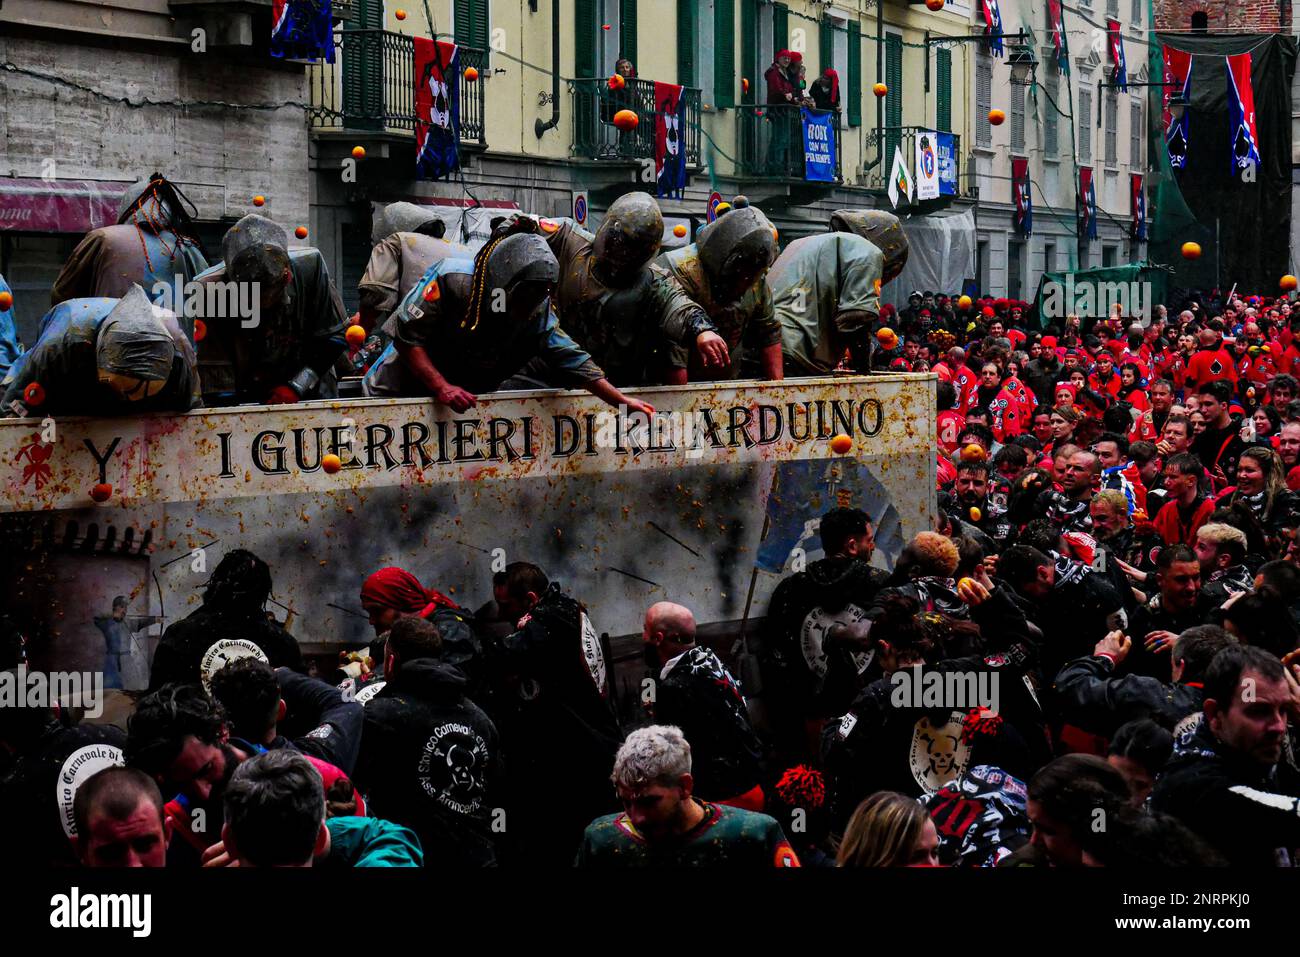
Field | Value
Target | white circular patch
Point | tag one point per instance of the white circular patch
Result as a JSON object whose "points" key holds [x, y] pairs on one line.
{"points": [[939, 755], [592, 653], [369, 691], [80, 767], [223, 653], [812, 637], [453, 767]]}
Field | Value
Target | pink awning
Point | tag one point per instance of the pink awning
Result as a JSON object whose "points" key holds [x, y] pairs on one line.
{"points": [[58, 206]]}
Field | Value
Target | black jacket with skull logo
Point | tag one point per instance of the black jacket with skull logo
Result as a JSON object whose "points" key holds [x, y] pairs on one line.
{"points": [[430, 760], [921, 728]]}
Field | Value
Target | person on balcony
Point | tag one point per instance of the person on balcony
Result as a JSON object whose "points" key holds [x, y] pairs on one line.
{"points": [[624, 312], [614, 100], [468, 325], [152, 242], [276, 332], [805, 97], [826, 291], [826, 90], [784, 94], [725, 271]]}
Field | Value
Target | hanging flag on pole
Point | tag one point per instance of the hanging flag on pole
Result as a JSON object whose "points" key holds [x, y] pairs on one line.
{"points": [[1178, 70], [302, 29], [1241, 114], [927, 166], [1060, 43], [670, 150], [1119, 72], [993, 25], [1087, 203], [900, 180], [1024, 215], [437, 108], [1138, 203]]}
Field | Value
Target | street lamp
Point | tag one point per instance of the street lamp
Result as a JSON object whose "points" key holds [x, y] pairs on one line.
{"points": [[1023, 65]]}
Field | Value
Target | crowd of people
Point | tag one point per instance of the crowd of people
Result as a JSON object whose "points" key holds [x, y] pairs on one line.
{"points": [[1101, 626]]}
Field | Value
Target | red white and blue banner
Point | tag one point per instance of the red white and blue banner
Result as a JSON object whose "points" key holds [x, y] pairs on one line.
{"points": [[1119, 72], [1087, 203], [1138, 202], [670, 148], [1241, 113], [1178, 70], [1060, 44], [437, 108], [993, 25], [1024, 214], [302, 30]]}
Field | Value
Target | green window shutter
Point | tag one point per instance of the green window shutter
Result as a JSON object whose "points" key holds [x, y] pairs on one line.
{"points": [[894, 80], [585, 26], [853, 88], [688, 12], [363, 68], [826, 49], [894, 99], [943, 108], [780, 27], [627, 29], [470, 23], [749, 66], [724, 53]]}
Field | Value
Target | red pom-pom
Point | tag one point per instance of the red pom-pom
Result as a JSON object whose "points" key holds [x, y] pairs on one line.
{"points": [[802, 786]]}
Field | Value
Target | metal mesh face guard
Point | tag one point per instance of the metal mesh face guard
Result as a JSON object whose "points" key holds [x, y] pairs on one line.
{"points": [[737, 246], [630, 234], [521, 258], [255, 250]]}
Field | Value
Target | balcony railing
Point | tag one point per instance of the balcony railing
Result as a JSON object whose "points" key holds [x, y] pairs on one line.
{"points": [[771, 142], [877, 177], [596, 137], [370, 86]]}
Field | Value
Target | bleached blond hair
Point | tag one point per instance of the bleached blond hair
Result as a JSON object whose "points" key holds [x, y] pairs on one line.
{"points": [[658, 754]]}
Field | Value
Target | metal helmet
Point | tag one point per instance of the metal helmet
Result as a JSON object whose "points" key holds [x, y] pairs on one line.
{"points": [[399, 218], [737, 245], [140, 196], [255, 249], [882, 229], [629, 235], [521, 257], [133, 341]]}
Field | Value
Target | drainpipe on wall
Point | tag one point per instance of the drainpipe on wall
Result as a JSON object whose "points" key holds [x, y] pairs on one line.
{"points": [[541, 127]]}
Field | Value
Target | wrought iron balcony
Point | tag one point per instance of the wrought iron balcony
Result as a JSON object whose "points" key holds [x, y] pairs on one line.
{"points": [[370, 87], [596, 137], [877, 177], [771, 143]]}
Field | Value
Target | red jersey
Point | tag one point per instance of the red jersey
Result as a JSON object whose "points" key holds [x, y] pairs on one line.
{"points": [[1211, 365]]}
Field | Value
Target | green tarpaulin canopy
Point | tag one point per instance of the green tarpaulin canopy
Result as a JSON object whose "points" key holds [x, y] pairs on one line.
{"points": [[1137, 287]]}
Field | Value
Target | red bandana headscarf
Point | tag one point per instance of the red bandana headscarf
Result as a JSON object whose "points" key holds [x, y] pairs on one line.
{"points": [[397, 588]]}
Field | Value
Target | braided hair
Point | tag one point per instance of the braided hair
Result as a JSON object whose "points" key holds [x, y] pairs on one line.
{"points": [[477, 299]]}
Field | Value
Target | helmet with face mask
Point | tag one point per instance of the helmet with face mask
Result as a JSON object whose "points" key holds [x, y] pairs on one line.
{"points": [[134, 350], [517, 260], [141, 201], [881, 229], [628, 237], [736, 248], [402, 218], [256, 250]]}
